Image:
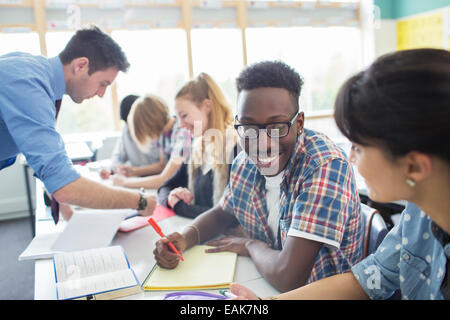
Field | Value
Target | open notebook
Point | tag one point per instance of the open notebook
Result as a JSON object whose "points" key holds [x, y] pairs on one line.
{"points": [[199, 270], [102, 273]]}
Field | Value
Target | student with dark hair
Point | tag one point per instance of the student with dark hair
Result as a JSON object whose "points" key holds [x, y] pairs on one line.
{"points": [[396, 114], [291, 190], [127, 158], [31, 88], [125, 106]]}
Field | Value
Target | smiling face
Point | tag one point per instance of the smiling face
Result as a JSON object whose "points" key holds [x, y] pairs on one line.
{"points": [[263, 106], [192, 117]]}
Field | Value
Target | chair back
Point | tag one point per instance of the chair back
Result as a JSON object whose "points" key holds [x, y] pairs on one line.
{"points": [[375, 229]]}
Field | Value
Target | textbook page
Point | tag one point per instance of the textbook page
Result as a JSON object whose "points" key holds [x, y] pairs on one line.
{"points": [[92, 271]]}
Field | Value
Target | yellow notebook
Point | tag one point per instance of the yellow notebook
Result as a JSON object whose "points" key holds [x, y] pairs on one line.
{"points": [[199, 270]]}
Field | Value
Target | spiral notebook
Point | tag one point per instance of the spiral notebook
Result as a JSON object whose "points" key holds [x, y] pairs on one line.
{"points": [[199, 270]]}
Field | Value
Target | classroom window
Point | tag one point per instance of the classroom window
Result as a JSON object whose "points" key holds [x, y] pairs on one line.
{"points": [[83, 117], [218, 52], [24, 42], [324, 57], [158, 60]]}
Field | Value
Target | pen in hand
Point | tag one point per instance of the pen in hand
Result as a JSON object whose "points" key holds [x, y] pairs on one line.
{"points": [[159, 231]]}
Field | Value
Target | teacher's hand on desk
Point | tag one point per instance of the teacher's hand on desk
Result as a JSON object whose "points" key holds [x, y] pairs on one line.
{"points": [[66, 211], [164, 256]]}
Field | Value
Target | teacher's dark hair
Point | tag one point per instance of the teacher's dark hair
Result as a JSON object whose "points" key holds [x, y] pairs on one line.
{"points": [[401, 102], [101, 50]]}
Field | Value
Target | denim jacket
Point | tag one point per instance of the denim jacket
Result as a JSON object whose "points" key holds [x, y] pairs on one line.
{"points": [[412, 257]]}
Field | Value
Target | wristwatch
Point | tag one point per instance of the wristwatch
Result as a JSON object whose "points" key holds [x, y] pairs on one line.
{"points": [[142, 200]]}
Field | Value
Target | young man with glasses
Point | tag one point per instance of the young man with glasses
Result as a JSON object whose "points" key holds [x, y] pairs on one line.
{"points": [[292, 191]]}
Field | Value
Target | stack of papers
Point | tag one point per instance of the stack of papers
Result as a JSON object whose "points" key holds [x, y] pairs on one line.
{"points": [[86, 229]]}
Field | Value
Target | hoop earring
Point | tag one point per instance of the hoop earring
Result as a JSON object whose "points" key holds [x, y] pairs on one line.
{"points": [[410, 182]]}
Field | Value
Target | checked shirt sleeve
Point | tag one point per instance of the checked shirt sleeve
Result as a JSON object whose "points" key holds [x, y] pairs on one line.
{"points": [[324, 203], [225, 201]]}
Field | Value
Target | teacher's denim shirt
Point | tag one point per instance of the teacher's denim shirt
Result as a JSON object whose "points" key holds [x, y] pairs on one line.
{"points": [[412, 257]]}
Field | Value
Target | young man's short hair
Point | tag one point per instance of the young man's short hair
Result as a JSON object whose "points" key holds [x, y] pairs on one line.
{"points": [[270, 74], [101, 50]]}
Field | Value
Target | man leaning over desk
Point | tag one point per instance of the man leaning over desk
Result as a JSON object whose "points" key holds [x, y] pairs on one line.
{"points": [[31, 89]]}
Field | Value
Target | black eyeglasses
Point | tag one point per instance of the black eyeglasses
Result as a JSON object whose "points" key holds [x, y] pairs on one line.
{"points": [[274, 129]]}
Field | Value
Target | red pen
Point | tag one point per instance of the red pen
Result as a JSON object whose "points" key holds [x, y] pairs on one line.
{"points": [[159, 231]]}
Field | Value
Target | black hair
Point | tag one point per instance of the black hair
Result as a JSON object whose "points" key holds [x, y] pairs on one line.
{"points": [[401, 102], [101, 50], [270, 74], [125, 106]]}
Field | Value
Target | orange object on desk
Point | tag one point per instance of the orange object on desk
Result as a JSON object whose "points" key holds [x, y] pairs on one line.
{"points": [[138, 222]]}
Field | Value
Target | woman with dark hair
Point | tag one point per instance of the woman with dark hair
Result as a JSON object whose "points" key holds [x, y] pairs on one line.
{"points": [[396, 115]]}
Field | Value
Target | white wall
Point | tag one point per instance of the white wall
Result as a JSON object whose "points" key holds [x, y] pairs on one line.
{"points": [[385, 37]]}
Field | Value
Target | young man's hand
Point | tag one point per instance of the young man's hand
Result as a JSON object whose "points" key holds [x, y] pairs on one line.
{"points": [[164, 256], [230, 243]]}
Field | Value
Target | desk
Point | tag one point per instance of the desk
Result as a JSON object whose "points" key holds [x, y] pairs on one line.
{"points": [[138, 245], [79, 152]]}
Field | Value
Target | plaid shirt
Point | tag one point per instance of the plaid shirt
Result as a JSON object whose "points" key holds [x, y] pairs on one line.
{"points": [[318, 201]]}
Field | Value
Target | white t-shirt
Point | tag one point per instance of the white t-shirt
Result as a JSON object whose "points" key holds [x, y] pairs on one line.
{"points": [[273, 202]]}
